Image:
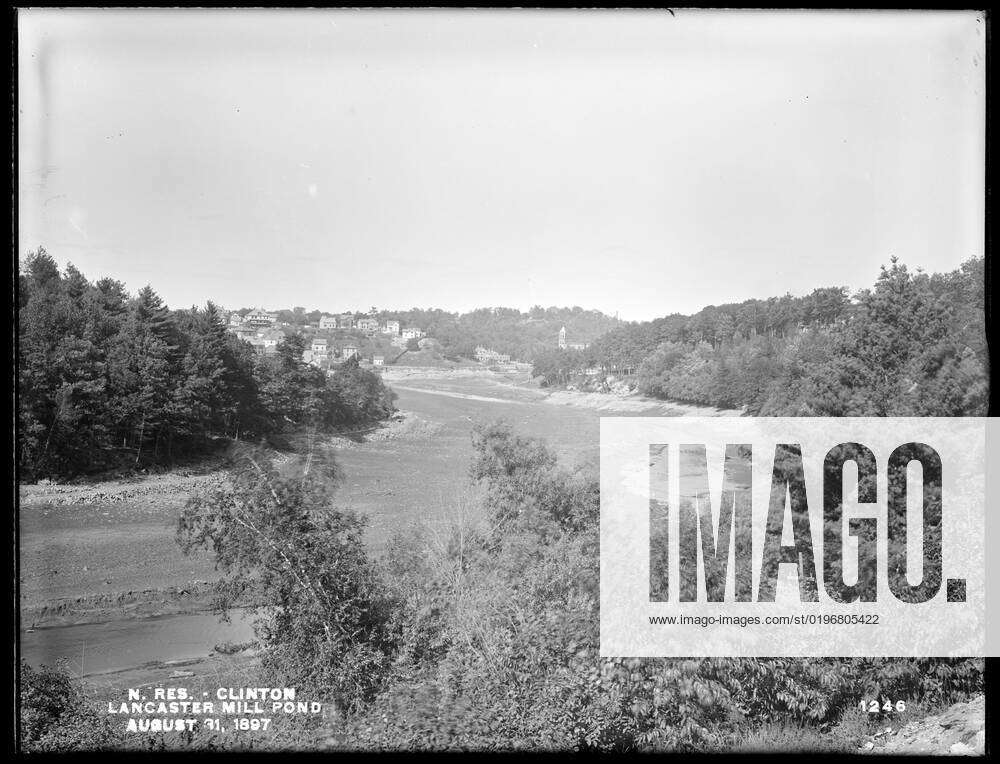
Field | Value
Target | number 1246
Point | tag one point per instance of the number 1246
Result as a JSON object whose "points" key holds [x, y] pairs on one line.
{"points": [[873, 706]]}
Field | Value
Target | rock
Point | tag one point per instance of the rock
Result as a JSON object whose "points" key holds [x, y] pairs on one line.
{"points": [[959, 730], [869, 745], [979, 741]]}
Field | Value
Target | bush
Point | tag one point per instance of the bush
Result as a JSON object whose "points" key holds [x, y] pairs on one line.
{"points": [[57, 715], [325, 619], [502, 652]]}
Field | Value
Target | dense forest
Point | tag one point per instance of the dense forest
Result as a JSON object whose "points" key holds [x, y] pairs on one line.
{"points": [[522, 335], [913, 345], [107, 379]]}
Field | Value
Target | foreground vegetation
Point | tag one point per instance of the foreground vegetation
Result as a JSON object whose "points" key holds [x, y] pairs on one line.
{"points": [[108, 380], [483, 633]]}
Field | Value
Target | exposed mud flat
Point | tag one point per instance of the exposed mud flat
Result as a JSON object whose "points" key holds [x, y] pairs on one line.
{"points": [[403, 424], [633, 402], [115, 491], [518, 386], [391, 373]]}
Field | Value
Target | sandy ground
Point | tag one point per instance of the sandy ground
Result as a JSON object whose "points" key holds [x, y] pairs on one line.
{"points": [[633, 403]]}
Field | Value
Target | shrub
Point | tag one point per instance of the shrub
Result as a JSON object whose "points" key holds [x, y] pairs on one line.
{"points": [[57, 715], [325, 619], [504, 644]]}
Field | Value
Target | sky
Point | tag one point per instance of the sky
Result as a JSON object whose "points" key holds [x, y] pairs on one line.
{"points": [[639, 163]]}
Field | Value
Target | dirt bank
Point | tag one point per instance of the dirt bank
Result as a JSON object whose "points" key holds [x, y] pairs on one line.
{"points": [[633, 402], [957, 731]]}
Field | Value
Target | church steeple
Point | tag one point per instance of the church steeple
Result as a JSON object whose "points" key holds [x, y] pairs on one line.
{"points": [[562, 338]]}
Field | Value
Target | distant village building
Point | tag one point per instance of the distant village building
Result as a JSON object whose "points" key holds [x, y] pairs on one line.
{"points": [[563, 344], [399, 342], [378, 360], [488, 355], [235, 320], [412, 333], [259, 318], [345, 321], [328, 322], [391, 327], [348, 352], [263, 340], [319, 346], [270, 339], [368, 325]]}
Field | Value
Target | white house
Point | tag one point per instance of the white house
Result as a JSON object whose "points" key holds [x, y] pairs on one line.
{"points": [[412, 333], [349, 351], [488, 355], [328, 322], [259, 317], [391, 327], [378, 360], [318, 346]]}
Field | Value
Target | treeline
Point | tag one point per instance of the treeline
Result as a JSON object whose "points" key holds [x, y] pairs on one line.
{"points": [[914, 344], [523, 335], [106, 379]]}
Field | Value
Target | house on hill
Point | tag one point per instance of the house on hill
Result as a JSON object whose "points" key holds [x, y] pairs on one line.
{"points": [[391, 327], [270, 339], [319, 346], [264, 341], [348, 351], [488, 355], [345, 321], [378, 360], [412, 333], [368, 325], [328, 322], [259, 318]]}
